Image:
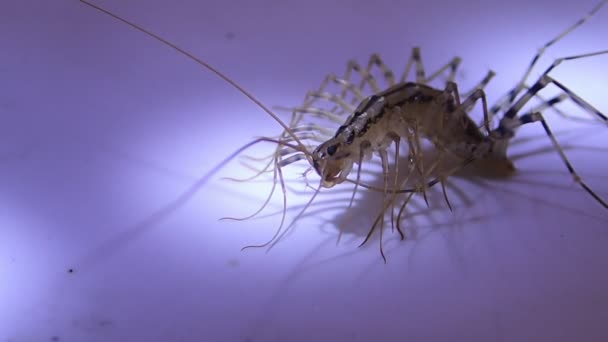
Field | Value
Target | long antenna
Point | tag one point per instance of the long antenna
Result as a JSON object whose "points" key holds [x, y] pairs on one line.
{"points": [[204, 64]]}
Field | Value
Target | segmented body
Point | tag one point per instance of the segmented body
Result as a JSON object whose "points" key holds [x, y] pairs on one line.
{"points": [[402, 111]]}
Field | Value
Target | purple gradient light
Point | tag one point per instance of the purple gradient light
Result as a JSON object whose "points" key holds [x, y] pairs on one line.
{"points": [[102, 127]]}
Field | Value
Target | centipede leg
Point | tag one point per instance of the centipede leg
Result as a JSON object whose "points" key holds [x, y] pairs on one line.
{"points": [[511, 121], [512, 94]]}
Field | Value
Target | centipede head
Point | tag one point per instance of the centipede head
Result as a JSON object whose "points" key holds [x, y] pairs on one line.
{"points": [[332, 161]]}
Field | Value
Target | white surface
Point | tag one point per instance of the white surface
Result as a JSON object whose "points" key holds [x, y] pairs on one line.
{"points": [[102, 127]]}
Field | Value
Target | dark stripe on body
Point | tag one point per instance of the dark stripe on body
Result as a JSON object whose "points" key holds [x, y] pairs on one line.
{"points": [[418, 97]]}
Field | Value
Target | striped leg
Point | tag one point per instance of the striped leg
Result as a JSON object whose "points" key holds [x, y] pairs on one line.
{"points": [[388, 75], [481, 85], [416, 60], [375, 61], [510, 97], [511, 121]]}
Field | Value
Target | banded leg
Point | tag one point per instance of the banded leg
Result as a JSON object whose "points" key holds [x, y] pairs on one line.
{"points": [[550, 103], [451, 65], [482, 84], [507, 101], [366, 77], [470, 101], [321, 93], [345, 85], [375, 60], [544, 80], [511, 121], [510, 97], [416, 60], [333, 98], [487, 123]]}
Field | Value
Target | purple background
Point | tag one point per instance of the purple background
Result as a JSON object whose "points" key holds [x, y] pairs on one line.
{"points": [[102, 126]]}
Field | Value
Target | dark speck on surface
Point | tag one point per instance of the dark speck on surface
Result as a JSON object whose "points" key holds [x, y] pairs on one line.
{"points": [[105, 323], [229, 35]]}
